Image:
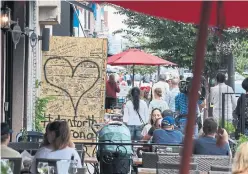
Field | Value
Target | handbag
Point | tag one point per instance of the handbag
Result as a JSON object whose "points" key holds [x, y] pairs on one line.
{"points": [[141, 120]]}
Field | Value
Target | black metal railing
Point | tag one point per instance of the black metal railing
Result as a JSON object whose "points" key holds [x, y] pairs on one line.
{"points": [[240, 123], [117, 160], [223, 106]]}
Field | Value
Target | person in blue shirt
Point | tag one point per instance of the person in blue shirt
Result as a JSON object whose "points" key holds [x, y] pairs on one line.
{"points": [[181, 107], [167, 134], [208, 144]]}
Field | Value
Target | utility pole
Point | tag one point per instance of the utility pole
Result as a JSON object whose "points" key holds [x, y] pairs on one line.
{"points": [[121, 45], [231, 71], [158, 73]]}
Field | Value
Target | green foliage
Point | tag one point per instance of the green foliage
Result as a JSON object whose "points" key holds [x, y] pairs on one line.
{"points": [[40, 109], [240, 53], [242, 139], [5, 167], [37, 84], [175, 41], [24, 135], [228, 126], [145, 69]]}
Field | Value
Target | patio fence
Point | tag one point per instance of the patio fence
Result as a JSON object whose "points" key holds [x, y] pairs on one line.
{"points": [[243, 111]]}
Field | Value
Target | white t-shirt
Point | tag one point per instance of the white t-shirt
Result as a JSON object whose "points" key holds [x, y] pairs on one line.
{"points": [[160, 104], [164, 87], [131, 117], [128, 77], [146, 130], [216, 98], [63, 154]]}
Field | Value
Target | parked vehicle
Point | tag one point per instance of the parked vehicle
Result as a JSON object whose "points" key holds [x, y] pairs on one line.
{"points": [[238, 87]]}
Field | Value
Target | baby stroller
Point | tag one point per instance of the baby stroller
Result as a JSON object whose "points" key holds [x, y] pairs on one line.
{"points": [[114, 159]]}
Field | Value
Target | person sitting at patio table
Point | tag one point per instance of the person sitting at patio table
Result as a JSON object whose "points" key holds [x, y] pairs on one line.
{"points": [[208, 144], [7, 152], [240, 164], [155, 114], [167, 134], [158, 123], [148, 136], [59, 139], [45, 142]]}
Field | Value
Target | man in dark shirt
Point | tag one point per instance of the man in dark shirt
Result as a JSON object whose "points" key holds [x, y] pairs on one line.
{"points": [[242, 110], [167, 134], [206, 145]]}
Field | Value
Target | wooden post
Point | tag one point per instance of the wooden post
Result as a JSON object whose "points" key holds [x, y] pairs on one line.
{"points": [[193, 98]]}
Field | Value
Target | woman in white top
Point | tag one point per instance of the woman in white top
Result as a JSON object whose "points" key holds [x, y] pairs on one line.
{"points": [[57, 145], [135, 114], [158, 102], [155, 114]]}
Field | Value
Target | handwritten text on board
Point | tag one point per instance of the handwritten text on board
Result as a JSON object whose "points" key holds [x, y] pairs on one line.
{"points": [[74, 73]]}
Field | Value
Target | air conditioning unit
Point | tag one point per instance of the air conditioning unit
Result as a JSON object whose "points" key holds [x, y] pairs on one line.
{"points": [[49, 12], [50, 3]]}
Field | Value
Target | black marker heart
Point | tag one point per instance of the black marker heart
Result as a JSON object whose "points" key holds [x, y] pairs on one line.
{"points": [[73, 72]]}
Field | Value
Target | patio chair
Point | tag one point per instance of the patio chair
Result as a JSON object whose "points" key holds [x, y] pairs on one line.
{"points": [[232, 144], [149, 159], [80, 149], [166, 149], [31, 147], [32, 136], [162, 158], [221, 168], [173, 171], [218, 172], [17, 164], [168, 154], [193, 166], [206, 161]]}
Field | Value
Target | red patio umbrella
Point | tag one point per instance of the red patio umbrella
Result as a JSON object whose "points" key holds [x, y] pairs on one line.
{"points": [[231, 13], [136, 57], [217, 13]]}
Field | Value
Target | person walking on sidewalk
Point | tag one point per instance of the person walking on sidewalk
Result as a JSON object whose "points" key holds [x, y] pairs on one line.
{"points": [[111, 89]]}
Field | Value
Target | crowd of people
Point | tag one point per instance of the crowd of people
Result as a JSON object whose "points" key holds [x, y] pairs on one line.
{"points": [[57, 142], [162, 118]]}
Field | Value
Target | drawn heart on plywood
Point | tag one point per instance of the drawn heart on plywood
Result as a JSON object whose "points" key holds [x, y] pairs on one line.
{"points": [[71, 76]]}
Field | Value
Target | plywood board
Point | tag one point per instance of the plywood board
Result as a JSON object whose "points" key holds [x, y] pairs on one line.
{"points": [[73, 72]]}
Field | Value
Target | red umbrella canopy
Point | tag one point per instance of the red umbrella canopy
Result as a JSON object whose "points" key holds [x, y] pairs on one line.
{"points": [[226, 13], [136, 57]]}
